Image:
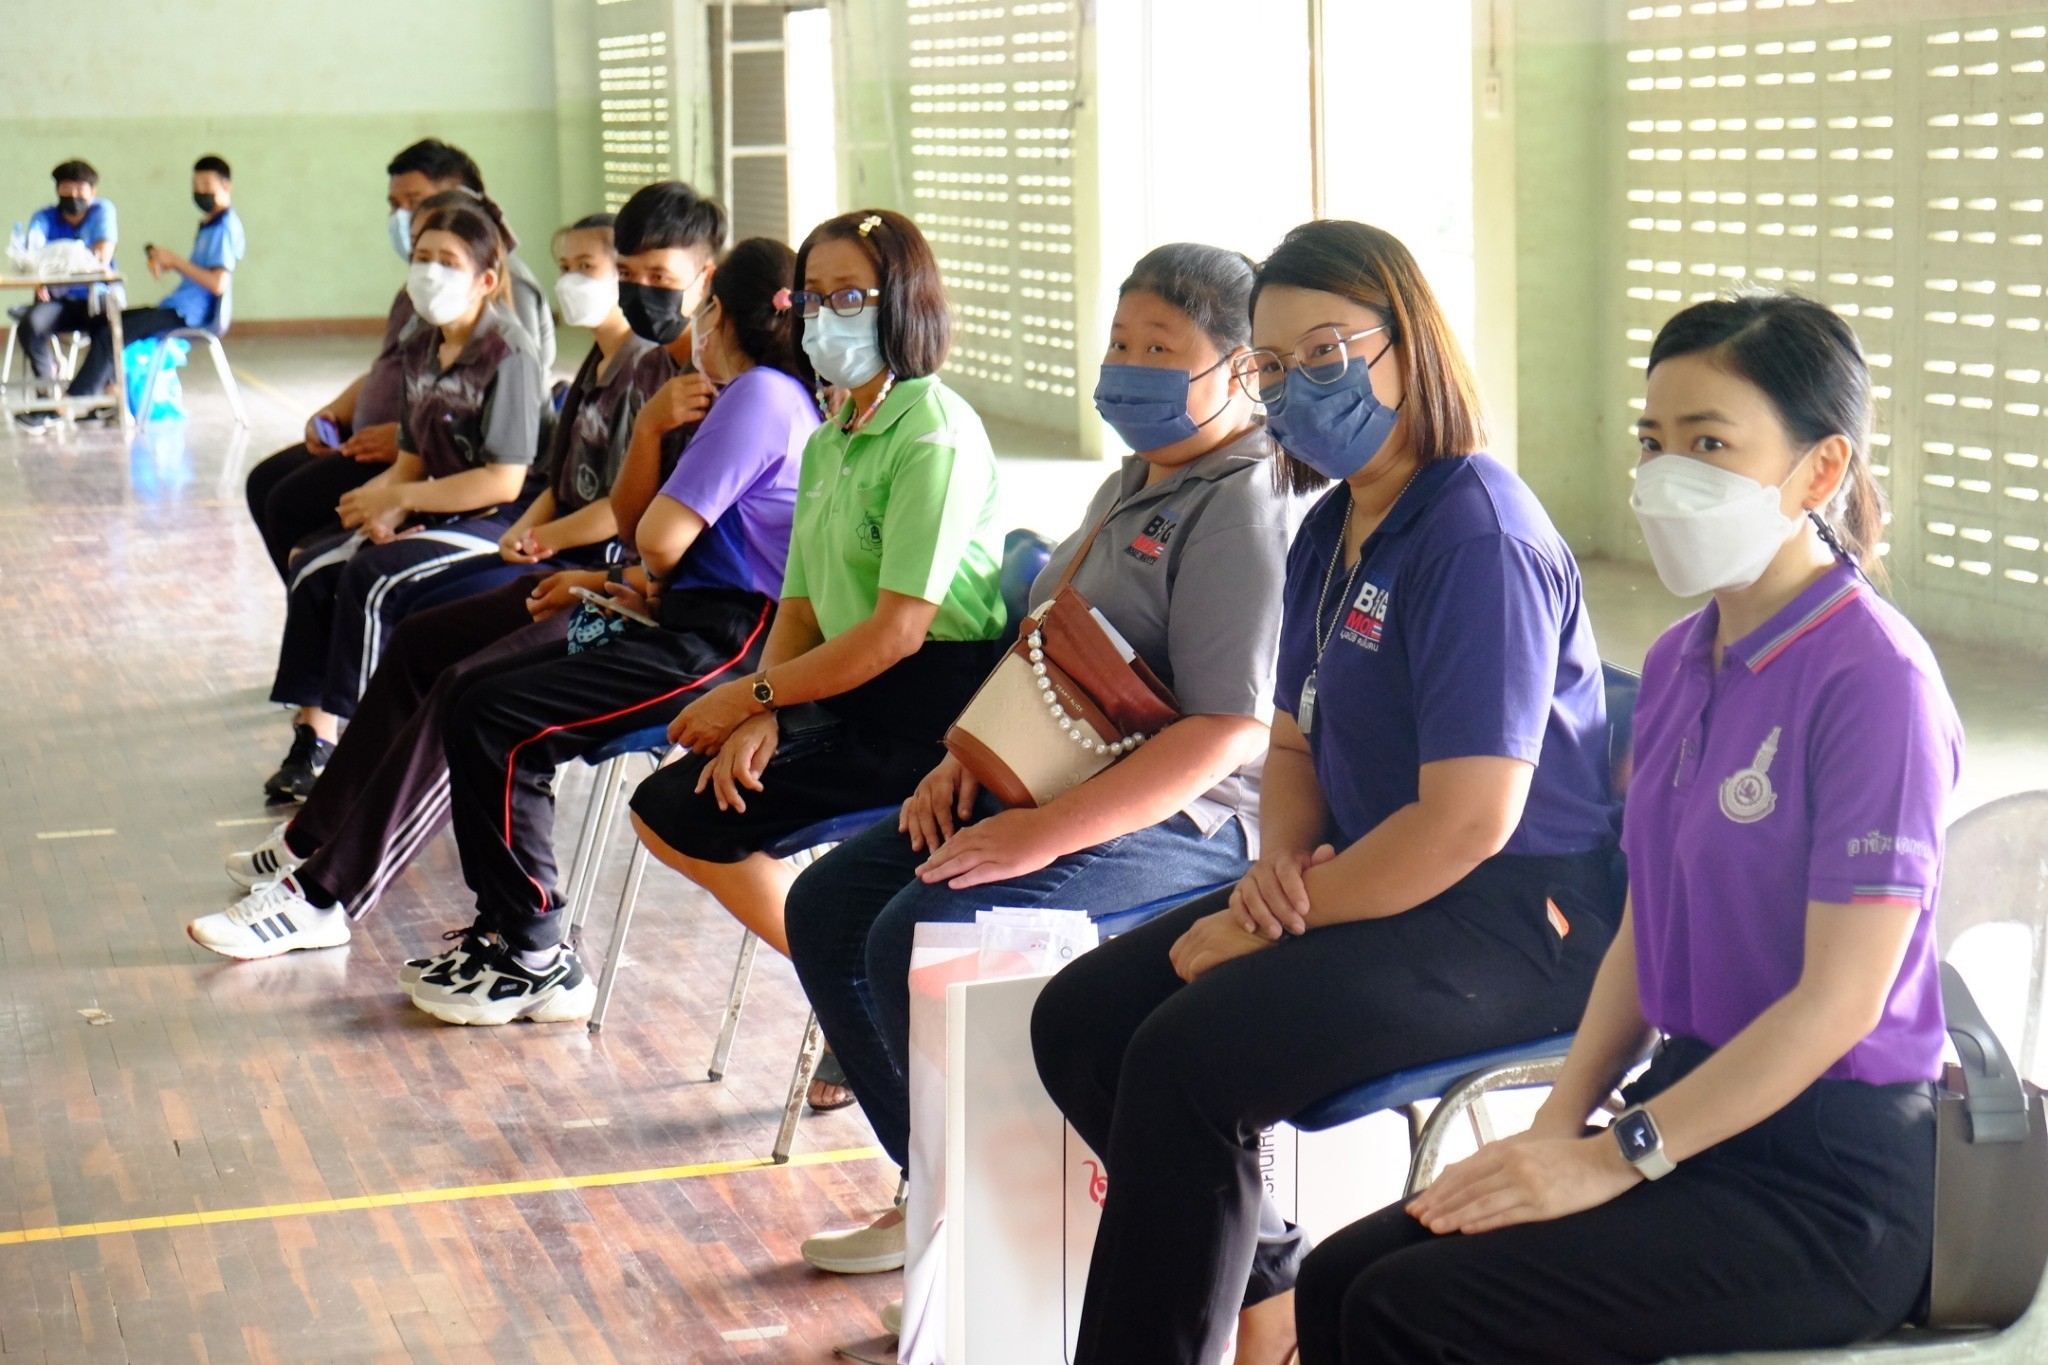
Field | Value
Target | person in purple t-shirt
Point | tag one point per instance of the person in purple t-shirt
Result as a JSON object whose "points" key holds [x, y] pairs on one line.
{"points": [[1771, 1186], [1436, 872]]}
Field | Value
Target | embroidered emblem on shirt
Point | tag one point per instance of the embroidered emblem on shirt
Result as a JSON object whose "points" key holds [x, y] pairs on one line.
{"points": [[1366, 622], [1747, 795], [869, 535], [1149, 544], [1877, 842]]}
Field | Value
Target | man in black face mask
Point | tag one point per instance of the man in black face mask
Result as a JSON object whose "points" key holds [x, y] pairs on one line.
{"points": [[78, 215], [199, 300]]}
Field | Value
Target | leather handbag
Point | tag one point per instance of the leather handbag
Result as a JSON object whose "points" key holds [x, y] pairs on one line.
{"points": [[1067, 700], [1991, 1177]]}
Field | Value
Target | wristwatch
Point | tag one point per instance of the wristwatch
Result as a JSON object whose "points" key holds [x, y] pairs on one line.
{"points": [[763, 691], [1642, 1146]]}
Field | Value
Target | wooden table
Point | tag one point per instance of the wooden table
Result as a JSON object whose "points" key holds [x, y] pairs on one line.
{"points": [[63, 405]]}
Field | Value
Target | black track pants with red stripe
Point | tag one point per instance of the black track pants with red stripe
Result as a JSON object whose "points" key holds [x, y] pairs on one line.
{"points": [[384, 795], [510, 725]]}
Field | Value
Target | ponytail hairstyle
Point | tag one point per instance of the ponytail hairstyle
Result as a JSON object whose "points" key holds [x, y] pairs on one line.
{"points": [[752, 287], [1806, 360], [1370, 266], [479, 222], [914, 326]]}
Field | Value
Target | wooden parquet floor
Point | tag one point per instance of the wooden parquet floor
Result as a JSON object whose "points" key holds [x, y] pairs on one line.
{"points": [[303, 1097]]}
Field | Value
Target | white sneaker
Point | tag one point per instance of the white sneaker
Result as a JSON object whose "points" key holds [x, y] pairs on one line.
{"points": [[489, 986], [265, 863], [892, 1317], [269, 921], [862, 1251]]}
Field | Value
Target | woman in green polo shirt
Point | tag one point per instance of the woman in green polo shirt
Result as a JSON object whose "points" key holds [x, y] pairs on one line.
{"points": [[890, 610]]}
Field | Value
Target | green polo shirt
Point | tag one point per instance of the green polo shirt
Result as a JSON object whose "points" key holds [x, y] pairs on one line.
{"points": [[905, 503]]}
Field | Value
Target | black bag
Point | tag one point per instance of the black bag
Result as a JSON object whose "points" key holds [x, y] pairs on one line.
{"points": [[1991, 1177]]}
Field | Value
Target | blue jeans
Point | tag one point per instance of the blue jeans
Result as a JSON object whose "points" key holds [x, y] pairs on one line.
{"points": [[852, 914]]}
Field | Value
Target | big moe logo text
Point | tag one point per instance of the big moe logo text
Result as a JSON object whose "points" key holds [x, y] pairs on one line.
{"points": [[1367, 620]]}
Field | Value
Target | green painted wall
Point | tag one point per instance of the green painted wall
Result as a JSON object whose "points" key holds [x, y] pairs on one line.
{"points": [[1573, 450], [308, 102]]}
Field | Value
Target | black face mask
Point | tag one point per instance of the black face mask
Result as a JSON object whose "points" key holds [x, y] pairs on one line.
{"points": [[70, 205], [655, 314], [207, 203]]}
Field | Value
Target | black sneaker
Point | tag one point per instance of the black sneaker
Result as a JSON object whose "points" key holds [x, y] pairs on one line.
{"points": [[294, 778], [35, 422], [489, 986]]}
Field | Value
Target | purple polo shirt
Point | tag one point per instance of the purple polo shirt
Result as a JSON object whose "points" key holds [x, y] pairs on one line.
{"points": [[1816, 766], [1462, 634], [739, 473]]}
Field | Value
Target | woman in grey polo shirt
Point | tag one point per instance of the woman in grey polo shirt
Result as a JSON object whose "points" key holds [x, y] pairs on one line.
{"points": [[1188, 564]]}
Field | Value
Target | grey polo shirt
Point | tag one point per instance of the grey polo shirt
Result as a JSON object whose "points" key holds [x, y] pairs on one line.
{"points": [[1190, 572]]}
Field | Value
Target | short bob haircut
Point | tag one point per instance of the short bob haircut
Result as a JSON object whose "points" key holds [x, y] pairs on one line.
{"points": [[80, 172], [915, 327], [670, 215], [1370, 266]]}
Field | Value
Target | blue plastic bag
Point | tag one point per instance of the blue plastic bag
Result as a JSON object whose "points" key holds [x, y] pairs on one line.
{"points": [[137, 357]]}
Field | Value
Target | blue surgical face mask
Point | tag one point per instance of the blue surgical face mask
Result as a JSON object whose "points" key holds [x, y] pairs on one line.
{"points": [[1334, 429], [844, 351], [1147, 405], [400, 225]]}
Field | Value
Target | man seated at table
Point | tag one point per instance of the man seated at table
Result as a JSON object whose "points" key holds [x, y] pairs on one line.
{"points": [[202, 279], [78, 215]]}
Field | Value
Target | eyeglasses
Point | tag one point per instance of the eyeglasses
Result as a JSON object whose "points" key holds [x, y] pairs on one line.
{"points": [[1322, 356], [847, 303]]}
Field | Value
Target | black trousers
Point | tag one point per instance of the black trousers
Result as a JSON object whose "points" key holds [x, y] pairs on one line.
{"points": [[510, 722], [384, 795], [137, 324], [1171, 1082], [40, 322], [345, 595], [1813, 1229], [887, 740], [292, 496]]}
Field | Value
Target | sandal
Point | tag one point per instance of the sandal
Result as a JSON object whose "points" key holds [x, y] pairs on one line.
{"points": [[829, 1072]]}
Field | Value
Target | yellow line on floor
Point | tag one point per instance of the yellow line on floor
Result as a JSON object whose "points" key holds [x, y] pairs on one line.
{"points": [[453, 1194], [74, 834]]}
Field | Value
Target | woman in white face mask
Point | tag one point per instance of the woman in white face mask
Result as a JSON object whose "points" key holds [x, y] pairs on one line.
{"points": [[1771, 1185], [474, 390]]}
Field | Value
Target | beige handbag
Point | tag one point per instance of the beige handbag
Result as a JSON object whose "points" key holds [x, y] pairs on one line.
{"points": [[1068, 699]]}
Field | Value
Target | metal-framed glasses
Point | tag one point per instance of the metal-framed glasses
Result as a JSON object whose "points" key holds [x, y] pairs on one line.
{"points": [[1322, 356], [847, 303]]}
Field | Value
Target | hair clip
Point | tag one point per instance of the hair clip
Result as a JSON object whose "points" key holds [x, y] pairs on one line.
{"points": [[781, 301], [870, 223]]}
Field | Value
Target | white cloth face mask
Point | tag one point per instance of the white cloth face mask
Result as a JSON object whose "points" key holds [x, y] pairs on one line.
{"points": [[1708, 529], [439, 293], [585, 300]]}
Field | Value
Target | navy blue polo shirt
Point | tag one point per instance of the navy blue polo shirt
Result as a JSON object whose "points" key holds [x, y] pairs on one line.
{"points": [[1463, 634]]}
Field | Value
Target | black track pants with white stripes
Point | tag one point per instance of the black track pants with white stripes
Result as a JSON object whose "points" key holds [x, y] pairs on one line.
{"points": [[346, 595], [510, 724], [384, 795]]}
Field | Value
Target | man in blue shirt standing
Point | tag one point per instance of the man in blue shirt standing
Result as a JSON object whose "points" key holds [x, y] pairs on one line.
{"points": [[202, 287], [78, 215]]}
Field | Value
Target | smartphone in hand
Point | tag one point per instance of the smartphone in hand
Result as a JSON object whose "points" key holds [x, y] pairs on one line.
{"points": [[327, 431], [604, 602]]}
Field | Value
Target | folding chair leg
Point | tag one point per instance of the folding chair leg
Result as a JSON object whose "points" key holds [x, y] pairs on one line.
{"points": [[227, 379], [799, 1086], [735, 1001], [629, 898], [588, 849], [7, 357], [611, 781]]}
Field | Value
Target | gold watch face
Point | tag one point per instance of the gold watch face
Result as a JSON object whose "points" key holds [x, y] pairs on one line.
{"points": [[763, 693]]}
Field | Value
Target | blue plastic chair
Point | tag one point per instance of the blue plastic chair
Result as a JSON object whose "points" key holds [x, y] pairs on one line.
{"points": [[1460, 1084]]}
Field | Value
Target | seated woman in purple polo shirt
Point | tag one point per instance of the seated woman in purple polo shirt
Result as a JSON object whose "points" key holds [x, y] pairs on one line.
{"points": [[1772, 1185], [1436, 865]]}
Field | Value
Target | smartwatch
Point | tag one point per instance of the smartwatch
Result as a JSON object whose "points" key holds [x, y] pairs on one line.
{"points": [[1642, 1146], [763, 691]]}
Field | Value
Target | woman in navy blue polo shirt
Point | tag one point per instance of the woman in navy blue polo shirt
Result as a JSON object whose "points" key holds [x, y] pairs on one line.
{"points": [[1436, 870]]}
